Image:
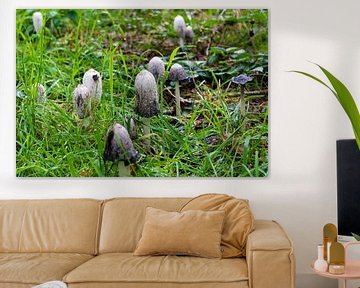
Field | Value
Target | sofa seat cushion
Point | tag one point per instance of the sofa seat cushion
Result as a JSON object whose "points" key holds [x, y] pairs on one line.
{"points": [[36, 268], [127, 268]]}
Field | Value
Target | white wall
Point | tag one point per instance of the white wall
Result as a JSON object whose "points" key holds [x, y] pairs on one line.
{"points": [[305, 121]]}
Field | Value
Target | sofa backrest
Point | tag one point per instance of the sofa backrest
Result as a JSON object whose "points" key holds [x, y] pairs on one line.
{"points": [[66, 226], [123, 220]]}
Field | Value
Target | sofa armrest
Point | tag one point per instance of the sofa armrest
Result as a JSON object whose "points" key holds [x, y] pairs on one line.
{"points": [[269, 256]]}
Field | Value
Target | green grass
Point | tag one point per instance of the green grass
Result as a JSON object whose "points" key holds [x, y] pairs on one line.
{"points": [[211, 138]]}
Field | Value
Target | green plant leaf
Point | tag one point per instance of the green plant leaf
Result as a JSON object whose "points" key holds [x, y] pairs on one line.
{"points": [[171, 58], [316, 79], [344, 97], [347, 102], [356, 236]]}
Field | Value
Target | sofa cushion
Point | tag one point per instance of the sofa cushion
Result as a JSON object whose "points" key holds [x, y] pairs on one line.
{"points": [[193, 232], [238, 223], [36, 268], [63, 226], [123, 220], [126, 268]]}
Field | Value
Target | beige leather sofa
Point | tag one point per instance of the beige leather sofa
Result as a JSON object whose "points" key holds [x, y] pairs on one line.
{"points": [[89, 243]]}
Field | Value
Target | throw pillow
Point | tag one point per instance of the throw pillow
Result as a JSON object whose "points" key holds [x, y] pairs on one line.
{"points": [[238, 223], [196, 233]]}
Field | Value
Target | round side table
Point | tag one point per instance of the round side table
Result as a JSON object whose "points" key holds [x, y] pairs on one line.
{"points": [[352, 268]]}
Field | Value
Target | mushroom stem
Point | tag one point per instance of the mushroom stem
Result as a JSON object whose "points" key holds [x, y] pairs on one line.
{"points": [[181, 42], [146, 127], [177, 98], [242, 100], [161, 94], [123, 170]]}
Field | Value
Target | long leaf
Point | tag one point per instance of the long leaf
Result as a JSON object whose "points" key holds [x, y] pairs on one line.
{"points": [[347, 102], [171, 58], [357, 237], [316, 79], [344, 97]]}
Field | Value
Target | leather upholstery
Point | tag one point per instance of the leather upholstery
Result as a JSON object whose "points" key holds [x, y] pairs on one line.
{"points": [[64, 226], [239, 220], [123, 218], [37, 268], [269, 256], [242, 284], [126, 268], [15, 285], [70, 228], [192, 233]]}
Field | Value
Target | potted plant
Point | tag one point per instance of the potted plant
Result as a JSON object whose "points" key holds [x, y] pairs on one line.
{"points": [[346, 100]]}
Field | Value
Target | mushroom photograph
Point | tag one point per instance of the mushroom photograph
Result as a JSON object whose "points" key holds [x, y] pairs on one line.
{"points": [[142, 93]]}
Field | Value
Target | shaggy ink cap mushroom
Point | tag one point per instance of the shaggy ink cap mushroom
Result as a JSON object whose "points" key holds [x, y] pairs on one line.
{"points": [[92, 80], [242, 79], [147, 99], [37, 21], [177, 73], [156, 67], [119, 147], [179, 25], [189, 34], [41, 96], [81, 97]]}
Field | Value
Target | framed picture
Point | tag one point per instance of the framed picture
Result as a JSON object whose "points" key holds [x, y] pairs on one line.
{"points": [[142, 93]]}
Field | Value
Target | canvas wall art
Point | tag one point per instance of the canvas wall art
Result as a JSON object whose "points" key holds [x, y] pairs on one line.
{"points": [[142, 93]]}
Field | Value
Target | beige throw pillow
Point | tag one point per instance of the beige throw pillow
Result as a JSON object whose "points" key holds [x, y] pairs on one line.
{"points": [[238, 223], [193, 232]]}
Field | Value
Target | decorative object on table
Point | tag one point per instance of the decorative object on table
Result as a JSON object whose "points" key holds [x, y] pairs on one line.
{"points": [[337, 258], [320, 264], [51, 284], [329, 236], [348, 270], [344, 97]]}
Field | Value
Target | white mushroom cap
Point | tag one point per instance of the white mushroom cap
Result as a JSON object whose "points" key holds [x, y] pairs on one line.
{"points": [[41, 97], [118, 145], [156, 67], [179, 25], [177, 73], [37, 21], [92, 80], [81, 98], [189, 34], [147, 99]]}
